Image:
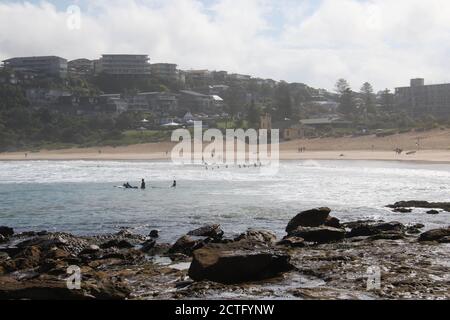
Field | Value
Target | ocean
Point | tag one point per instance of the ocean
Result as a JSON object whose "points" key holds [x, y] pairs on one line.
{"points": [[80, 197]]}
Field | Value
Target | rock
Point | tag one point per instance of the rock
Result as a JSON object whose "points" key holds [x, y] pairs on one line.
{"points": [[120, 244], [403, 210], [444, 240], [388, 236], [92, 249], [3, 239], [148, 245], [421, 204], [154, 234], [262, 236], [224, 264], [6, 231], [434, 212], [64, 241], [332, 222], [358, 223], [55, 289], [186, 245], [310, 218], [435, 235], [28, 258], [293, 242], [363, 230], [210, 231], [319, 234]]}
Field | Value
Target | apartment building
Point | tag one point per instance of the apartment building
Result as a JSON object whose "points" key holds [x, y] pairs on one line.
{"points": [[46, 65], [165, 71], [419, 99], [124, 65]]}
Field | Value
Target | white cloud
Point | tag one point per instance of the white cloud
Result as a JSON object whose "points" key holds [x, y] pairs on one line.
{"points": [[382, 41]]}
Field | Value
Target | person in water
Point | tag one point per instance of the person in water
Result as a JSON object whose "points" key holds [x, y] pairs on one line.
{"points": [[174, 185], [143, 184], [127, 185]]}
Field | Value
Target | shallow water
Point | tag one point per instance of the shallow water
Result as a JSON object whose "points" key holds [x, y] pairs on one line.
{"points": [[79, 196]]}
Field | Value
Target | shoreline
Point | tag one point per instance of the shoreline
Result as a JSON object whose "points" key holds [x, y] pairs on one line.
{"points": [[423, 156]]}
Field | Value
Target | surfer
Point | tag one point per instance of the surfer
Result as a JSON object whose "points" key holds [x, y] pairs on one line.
{"points": [[143, 184], [174, 185]]}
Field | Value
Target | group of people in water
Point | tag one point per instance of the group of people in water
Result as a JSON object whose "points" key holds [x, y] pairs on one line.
{"points": [[144, 185]]}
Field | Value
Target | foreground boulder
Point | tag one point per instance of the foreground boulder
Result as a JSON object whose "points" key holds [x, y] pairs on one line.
{"points": [[310, 218], [210, 231], [6, 231], [228, 265], [435, 235], [293, 242], [56, 289], [322, 234]]}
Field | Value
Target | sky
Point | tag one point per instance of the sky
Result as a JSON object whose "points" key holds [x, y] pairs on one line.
{"points": [[384, 42]]}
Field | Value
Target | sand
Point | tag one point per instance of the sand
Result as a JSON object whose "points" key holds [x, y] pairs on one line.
{"points": [[431, 146]]}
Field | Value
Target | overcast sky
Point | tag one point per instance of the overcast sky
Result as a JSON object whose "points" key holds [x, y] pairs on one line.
{"points": [[385, 42]]}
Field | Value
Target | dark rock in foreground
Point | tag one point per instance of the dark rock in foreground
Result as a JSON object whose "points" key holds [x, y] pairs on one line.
{"points": [[293, 242], [319, 234], [228, 264], [421, 204], [210, 231], [435, 235], [310, 218], [433, 212], [368, 229], [186, 245], [403, 210], [154, 234], [6, 231]]}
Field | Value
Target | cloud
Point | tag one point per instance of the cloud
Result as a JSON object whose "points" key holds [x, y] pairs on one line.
{"points": [[382, 41]]}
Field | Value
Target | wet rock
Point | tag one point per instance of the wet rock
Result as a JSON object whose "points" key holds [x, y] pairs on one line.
{"points": [[319, 234], [433, 212], [444, 240], [421, 204], [148, 245], [28, 258], [186, 245], [64, 241], [55, 289], [393, 235], [210, 231], [262, 236], [332, 222], [158, 249], [3, 239], [121, 244], [92, 249], [435, 235], [154, 234], [224, 264], [310, 218], [403, 210], [415, 228], [293, 242], [363, 230], [358, 223], [6, 231]]}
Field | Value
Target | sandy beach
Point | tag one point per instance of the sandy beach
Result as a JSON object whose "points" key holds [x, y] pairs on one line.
{"points": [[431, 146]]}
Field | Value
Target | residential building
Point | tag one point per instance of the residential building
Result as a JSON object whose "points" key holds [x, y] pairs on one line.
{"points": [[81, 67], [51, 66], [165, 71], [198, 78], [195, 102], [419, 99], [124, 65], [239, 77]]}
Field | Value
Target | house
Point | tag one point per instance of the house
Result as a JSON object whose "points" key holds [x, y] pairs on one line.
{"points": [[195, 102]]}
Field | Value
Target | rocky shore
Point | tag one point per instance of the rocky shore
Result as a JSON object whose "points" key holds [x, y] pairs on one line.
{"points": [[319, 258]]}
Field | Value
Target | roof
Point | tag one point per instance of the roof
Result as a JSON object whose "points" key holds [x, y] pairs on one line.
{"points": [[216, 98], [193, 93], [320, 121]]}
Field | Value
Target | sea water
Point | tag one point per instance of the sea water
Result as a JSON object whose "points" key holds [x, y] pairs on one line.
{"points": [[80, 196]]}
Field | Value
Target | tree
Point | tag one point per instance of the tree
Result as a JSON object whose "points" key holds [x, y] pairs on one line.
{"points": [[253, 115], [387, 100], [347, 105], [283, 101], [341, 86], [368, 98]]}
